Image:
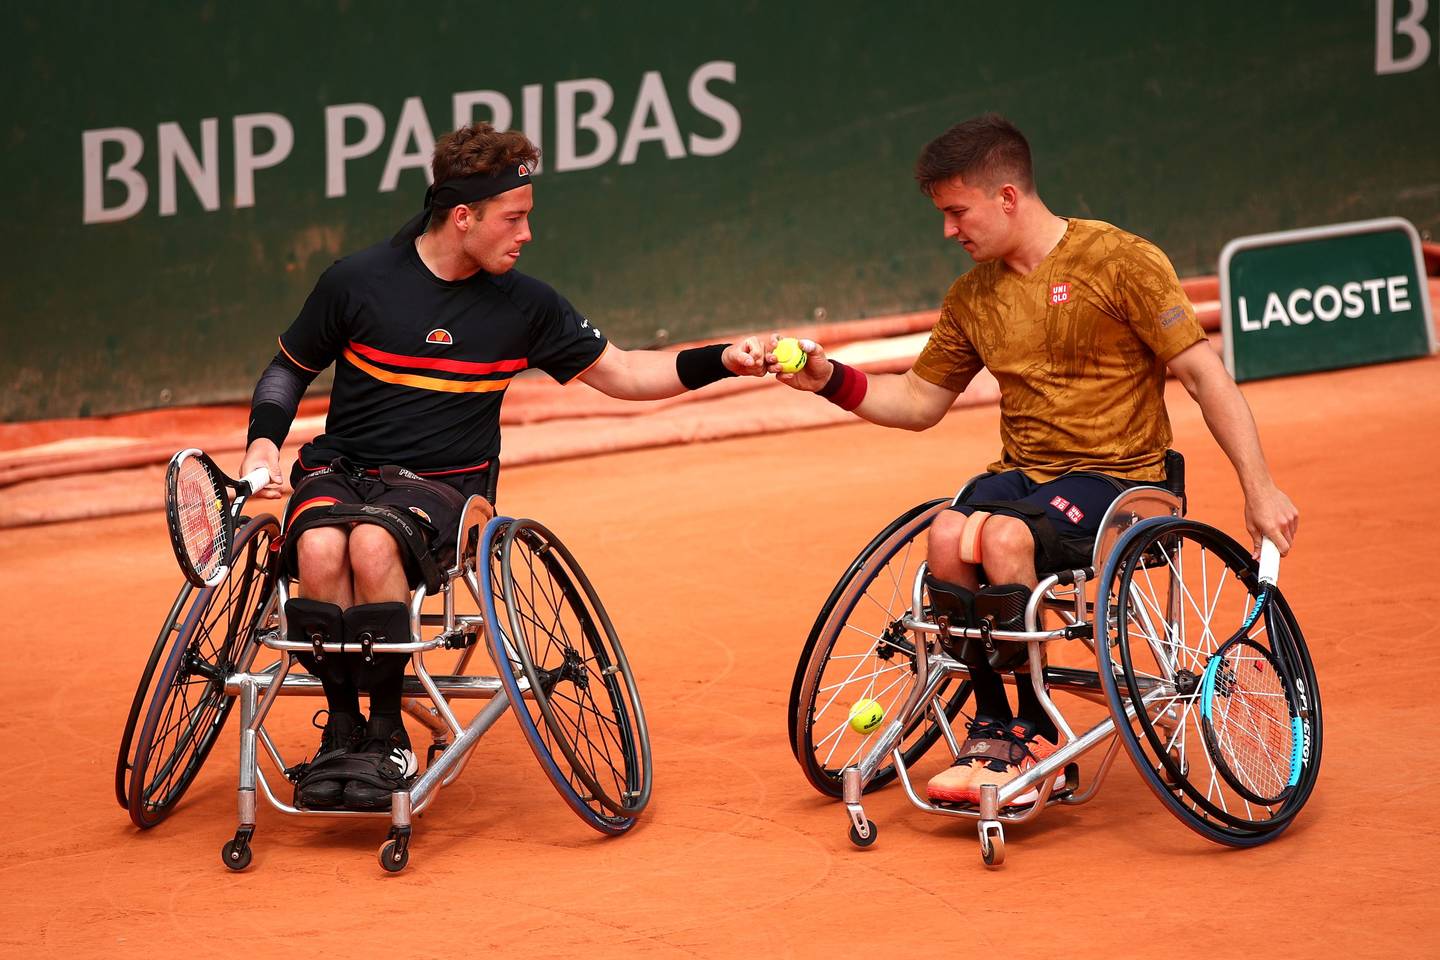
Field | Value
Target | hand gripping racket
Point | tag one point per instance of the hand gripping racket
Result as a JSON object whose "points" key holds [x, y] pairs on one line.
{"points": [[1250, 710], [201, 515]]}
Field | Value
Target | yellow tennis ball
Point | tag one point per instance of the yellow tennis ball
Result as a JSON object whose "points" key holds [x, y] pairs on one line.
{"points": [[866, 715], [789, 355]]}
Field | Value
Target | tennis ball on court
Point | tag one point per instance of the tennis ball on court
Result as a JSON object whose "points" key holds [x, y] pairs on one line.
{"points": [[866, 715], [789, 355]]}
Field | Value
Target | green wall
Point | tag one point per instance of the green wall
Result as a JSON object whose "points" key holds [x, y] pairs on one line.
{"points": [[1188, 126]]}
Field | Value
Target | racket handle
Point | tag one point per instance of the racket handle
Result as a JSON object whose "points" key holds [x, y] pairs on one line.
{"points": [[1269, 561], [255, 479]]}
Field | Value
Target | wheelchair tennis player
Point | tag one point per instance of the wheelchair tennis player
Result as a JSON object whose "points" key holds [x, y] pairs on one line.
{"points": [[426, 332], [1078, 321]]}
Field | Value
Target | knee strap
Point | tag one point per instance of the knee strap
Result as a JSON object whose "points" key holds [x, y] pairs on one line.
{"points": [[316, 622], [1031, 515], [403, 526], [970, 537], [367, 624]]}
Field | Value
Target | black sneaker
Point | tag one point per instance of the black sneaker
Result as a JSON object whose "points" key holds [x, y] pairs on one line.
{"points": [[317, 786], [383, 764]]}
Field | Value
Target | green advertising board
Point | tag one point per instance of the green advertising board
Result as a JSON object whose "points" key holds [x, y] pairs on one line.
{"points": [[1323, 298], [177, 175]]}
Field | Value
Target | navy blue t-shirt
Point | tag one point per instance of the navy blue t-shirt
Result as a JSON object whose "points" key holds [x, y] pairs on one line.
{"points": [[422, 364]]}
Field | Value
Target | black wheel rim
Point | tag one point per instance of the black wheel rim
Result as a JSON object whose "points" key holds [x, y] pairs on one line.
{"points": [[585, 707], [1156, 666], [859, 648], [124, 759], [190, 705]]}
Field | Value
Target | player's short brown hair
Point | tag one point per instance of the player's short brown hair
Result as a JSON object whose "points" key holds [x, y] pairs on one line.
{"points": [[985, 151], [479, 148]]}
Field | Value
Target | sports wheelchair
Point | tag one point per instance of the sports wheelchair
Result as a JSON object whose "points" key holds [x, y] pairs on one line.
{"points": [[513, 586], [1170, 591]]}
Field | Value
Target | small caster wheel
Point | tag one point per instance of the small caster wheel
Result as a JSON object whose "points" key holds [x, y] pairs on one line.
{"points": [[992, 843], [236, 853], [394, 856], [871, 832]]}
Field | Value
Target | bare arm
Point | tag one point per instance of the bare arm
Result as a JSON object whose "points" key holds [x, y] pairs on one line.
{"points": [[650, 374], [891, 399], [1268, 511]]}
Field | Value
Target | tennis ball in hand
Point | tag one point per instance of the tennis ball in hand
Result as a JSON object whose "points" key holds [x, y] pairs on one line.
{"points": [[866, 715], [789, 355]]}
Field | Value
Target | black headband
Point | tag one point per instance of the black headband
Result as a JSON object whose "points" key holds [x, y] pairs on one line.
{"points": [[452, 193]]}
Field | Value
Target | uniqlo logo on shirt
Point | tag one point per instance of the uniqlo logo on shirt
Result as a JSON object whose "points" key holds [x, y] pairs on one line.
{"points": [[1060, 293], [1075, 514], [1060, 503]]}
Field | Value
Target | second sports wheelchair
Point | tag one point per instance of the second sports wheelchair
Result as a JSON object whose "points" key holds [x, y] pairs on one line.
{"points": [[511, 586], [1226, 735]]}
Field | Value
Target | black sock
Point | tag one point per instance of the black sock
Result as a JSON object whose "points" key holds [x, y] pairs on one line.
{"points": [[341, 697], [1030, 709], [989, 690], [386, 685]]}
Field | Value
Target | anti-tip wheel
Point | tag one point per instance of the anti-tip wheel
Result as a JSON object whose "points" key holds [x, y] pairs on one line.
{"points": [[872, 832]]}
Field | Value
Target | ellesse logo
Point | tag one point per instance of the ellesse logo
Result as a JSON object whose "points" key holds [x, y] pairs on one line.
{"points": [[439, 335]]}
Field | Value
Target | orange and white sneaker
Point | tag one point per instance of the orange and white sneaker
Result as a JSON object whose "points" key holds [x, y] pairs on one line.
{"points": [[984, 739], [1036, 749]]}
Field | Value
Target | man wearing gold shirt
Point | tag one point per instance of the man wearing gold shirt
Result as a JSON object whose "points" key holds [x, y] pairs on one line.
{"points": [[1078, 321]]}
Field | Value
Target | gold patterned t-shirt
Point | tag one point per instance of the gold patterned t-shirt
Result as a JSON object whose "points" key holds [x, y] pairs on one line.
{"points": [[1079, 347]]}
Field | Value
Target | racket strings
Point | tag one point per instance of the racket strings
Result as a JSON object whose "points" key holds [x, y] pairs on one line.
{"points": [[200, 509], [1251, 719]]}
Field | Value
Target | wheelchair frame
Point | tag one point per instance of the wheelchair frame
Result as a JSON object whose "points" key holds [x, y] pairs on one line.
{"points": [[427, 697], [1063, 593]]}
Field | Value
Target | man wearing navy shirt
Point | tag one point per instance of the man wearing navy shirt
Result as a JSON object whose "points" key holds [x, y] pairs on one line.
{"points": [[426, 332]]}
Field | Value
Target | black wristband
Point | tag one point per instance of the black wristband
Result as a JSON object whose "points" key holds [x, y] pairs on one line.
{"points": [[701, 365], [270, 421]]}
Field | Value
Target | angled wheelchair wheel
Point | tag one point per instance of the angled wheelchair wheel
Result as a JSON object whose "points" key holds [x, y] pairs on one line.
{"points": [[579, 709], [125, 757], [859, 649], [188, 705], [1223, 724]]}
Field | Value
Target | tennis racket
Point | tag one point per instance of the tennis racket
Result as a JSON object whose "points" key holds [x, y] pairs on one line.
{"points": [[1251, 711], [201, 514]]}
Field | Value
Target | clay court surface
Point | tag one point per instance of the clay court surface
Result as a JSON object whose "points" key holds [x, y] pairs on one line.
{"points": [[713, 559]]}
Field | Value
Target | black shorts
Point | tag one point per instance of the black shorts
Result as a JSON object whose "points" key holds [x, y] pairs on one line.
{"points": [[1073, 507], [436, 502]]}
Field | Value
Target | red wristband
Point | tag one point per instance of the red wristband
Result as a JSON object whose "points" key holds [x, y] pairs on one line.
{"points": [[846, 386]]}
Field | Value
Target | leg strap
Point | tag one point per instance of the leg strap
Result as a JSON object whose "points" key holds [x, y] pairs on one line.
{"points": [[316, 623], [950, 600], [1002, 607], [367, 624]]}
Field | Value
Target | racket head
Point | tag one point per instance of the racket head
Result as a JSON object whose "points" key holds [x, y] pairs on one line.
{"points": [[197, 512], [1250, 715]]}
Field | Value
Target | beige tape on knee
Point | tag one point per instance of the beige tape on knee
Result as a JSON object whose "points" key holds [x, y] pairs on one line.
{"points": [[970, 536]]}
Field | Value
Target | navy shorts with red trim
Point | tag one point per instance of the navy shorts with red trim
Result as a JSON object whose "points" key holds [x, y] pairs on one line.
{"points": [[1073, 505], [436, 502]]}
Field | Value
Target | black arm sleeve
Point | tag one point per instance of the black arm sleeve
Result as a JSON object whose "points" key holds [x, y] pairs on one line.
{"points": [[277, 397]]}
